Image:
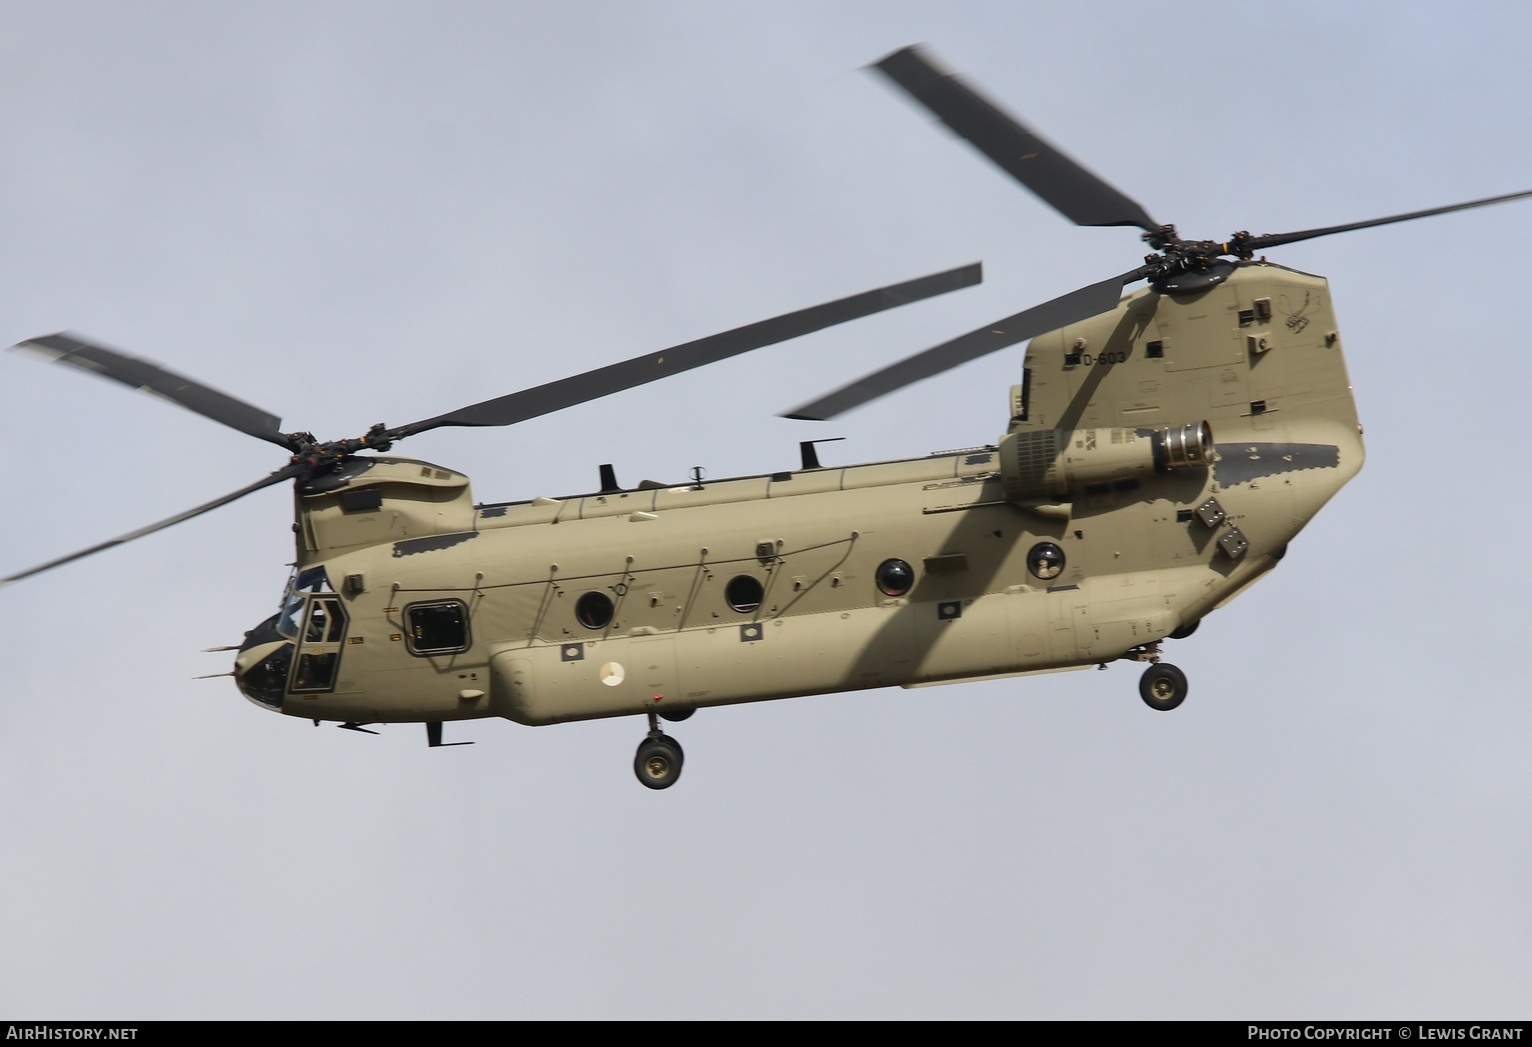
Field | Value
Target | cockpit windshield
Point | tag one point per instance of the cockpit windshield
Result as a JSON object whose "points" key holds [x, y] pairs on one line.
{"points": [[312, 580]]}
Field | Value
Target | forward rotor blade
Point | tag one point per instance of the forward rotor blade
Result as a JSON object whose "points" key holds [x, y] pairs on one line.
{"points": [[71, 349], [1060, 312], [1033, 161], [603, 381], [286, 472], [1257, 243]]}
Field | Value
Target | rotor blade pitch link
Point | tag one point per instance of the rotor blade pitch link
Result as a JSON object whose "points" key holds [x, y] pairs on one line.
{"points": [[615, 378], [285, 473], [1062, 182], [1059, 312], [71, 349]]}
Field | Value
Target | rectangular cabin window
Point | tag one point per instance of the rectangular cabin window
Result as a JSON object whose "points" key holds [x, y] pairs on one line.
{"points": [[436, 628]]}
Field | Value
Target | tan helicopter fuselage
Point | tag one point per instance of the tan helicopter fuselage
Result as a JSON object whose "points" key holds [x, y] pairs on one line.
{"points": [[434, 609]]}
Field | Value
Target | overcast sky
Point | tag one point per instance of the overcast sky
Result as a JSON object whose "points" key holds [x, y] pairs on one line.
{"points": [[359, 212]]}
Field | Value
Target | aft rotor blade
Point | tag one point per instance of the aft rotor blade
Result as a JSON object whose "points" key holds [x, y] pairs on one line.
{"points": [[1060, 312], [71, 349], [603, 381], [1036, 163], [1257, 243], [285, 473]]}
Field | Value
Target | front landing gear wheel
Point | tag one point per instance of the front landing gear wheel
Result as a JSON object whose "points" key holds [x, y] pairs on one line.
{"points": [[1162, 686], [658, 762]]}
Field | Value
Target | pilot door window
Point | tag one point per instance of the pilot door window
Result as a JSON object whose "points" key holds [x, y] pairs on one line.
{"points": [[324, 630], [436, 628]]}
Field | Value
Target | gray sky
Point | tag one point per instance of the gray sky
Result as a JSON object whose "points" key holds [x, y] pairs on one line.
{"points": [[349, 213]]}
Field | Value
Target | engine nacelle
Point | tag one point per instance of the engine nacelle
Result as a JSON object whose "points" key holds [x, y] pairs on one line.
{"points": [[1058, 463]]}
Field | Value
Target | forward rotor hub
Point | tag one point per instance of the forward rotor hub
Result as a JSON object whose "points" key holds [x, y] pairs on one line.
{"points": [[324, 457]]}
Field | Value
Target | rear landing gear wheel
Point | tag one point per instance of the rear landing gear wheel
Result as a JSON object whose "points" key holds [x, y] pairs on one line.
{"points": [[658, 762], [1162, 686]]}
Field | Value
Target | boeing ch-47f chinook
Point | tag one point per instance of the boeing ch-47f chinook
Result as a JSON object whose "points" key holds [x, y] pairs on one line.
{"points": [[1160, 453]]}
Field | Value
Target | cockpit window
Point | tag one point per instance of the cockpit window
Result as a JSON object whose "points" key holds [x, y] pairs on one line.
{"points": [[287, 618], [326, 623], [319, 653], [313, 580], [436, 628]]}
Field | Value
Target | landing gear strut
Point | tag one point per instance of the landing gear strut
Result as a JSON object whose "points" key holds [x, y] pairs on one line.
{"points": [[659, 758], [1163, 686]]}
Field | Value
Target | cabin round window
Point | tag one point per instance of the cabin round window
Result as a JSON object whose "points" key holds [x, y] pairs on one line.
{"points": [[1046, 561], [744, 593], [895, 577], [594, 610]]}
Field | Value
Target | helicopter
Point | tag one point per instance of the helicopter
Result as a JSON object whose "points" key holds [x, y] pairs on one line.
{"points": [[1160, 452]]}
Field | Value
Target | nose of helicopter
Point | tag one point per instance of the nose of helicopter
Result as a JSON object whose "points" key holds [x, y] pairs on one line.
{"points": [[261, 666]]}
